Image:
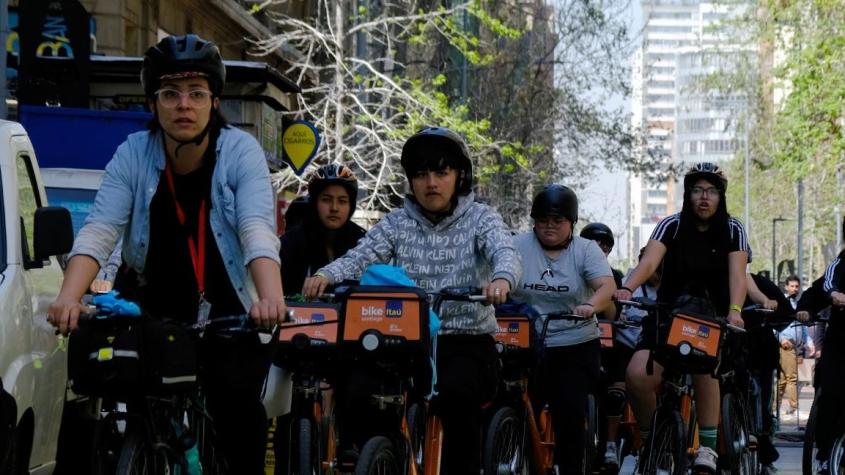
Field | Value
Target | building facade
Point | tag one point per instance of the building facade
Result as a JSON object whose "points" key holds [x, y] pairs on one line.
{"points": [[681, 122]]}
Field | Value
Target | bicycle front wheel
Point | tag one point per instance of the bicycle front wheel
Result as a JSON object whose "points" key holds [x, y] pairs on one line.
{"points": [[735, 435], [138, 457], [667, 451], [378, 457], [504, 448], [808, 455], [591, 434], [837, 456]]}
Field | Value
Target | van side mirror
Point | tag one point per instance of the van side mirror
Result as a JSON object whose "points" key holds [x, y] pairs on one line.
{"points": [[53, 233]]}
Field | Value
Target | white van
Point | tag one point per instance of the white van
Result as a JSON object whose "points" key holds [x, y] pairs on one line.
{"points": [[33, 361]]}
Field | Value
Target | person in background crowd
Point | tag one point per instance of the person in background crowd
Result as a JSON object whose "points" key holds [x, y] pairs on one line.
{"points": [[326, 230], [791, 288]]}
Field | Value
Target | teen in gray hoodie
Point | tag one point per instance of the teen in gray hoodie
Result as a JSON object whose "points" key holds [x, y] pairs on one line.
{"points": [[442, 237]]}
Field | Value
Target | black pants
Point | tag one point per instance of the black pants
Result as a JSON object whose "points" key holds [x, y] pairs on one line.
{"points": [[466, 382], [567, 375], [232, 375], [830, 374]]}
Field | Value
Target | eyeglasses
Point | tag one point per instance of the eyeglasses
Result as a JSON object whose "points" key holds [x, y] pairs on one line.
{"points": [[199, 98], [698, 191]]}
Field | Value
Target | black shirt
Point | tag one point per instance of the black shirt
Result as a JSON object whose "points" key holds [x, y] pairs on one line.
{"points": [[697, 263], [303, 250], [171, 286]]}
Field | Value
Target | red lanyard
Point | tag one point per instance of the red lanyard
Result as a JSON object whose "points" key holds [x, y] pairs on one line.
{"points": [[197, 252]]}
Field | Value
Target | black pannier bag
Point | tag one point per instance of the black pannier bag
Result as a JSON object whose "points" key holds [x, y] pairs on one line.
{"points": [[170, 357], [104, 360]]}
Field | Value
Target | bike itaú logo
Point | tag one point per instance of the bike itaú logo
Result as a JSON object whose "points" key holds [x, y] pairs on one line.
{"points": [[393, 309], [703, 331]]}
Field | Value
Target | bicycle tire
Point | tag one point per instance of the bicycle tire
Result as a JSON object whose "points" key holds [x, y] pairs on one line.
{"points": [[837, 456], [105, 447], [667, 450], [591, 435], [378, 457], [212, 462], [137, 457], [735, 435], [306, 445], [416, 429], [808, 451], [504, 451]]}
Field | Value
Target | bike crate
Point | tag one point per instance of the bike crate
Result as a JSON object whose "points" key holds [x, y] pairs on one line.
{"points": [[104, 360], [692, 343], [385, 321], [607, 333], [513, 334], [311, 337]]}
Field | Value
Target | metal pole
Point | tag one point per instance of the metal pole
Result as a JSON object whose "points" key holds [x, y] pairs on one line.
{"points": [[338, 82], [801, 230], [838, 210], [747, 184], [774, 262]]}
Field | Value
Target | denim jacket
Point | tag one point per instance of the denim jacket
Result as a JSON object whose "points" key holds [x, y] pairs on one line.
{"points": [[242, 215]]}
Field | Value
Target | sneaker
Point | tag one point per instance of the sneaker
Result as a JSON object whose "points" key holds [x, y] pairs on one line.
{"points": [[611, 457], [823, 469], [768, 469], [706, 461]]}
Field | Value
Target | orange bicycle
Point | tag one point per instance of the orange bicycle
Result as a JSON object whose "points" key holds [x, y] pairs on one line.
{"points": [[388, 327], [518, 440], [308, 347]]}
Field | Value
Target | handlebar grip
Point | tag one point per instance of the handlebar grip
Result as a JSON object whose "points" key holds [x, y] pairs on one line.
{"points": [[735, 328]]}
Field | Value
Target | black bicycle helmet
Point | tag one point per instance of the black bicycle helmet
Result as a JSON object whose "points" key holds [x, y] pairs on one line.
{"points": [[708, 171], [435, 148], [598, 232], [556, 200], [183, 56], [334, 174]]}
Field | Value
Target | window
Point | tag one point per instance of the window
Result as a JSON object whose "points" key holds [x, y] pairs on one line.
{"points": [[669, 29], [28, 202], [671, 15], [79, 202]]}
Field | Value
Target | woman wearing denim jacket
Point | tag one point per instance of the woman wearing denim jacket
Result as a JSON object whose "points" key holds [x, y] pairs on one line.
{"points": [[192, 200]]}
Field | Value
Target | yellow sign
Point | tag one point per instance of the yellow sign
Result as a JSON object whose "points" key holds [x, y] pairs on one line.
{"points": [[300, 143]]}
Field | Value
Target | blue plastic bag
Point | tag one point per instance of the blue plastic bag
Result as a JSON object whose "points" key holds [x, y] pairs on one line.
{"points": [[383, 274], [110, 304]]}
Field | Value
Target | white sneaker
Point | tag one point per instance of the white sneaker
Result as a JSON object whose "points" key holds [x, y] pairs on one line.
{"points": [[705, 459], [611, 458]]}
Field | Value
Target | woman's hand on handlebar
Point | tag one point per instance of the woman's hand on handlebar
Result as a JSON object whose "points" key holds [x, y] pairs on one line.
{"points": [[268, 312], [838, 298], [803, 316], [314, 286], [584, 310], [770, 304], [735, 319], [622, 294], [64, 314], [497, 291]]}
